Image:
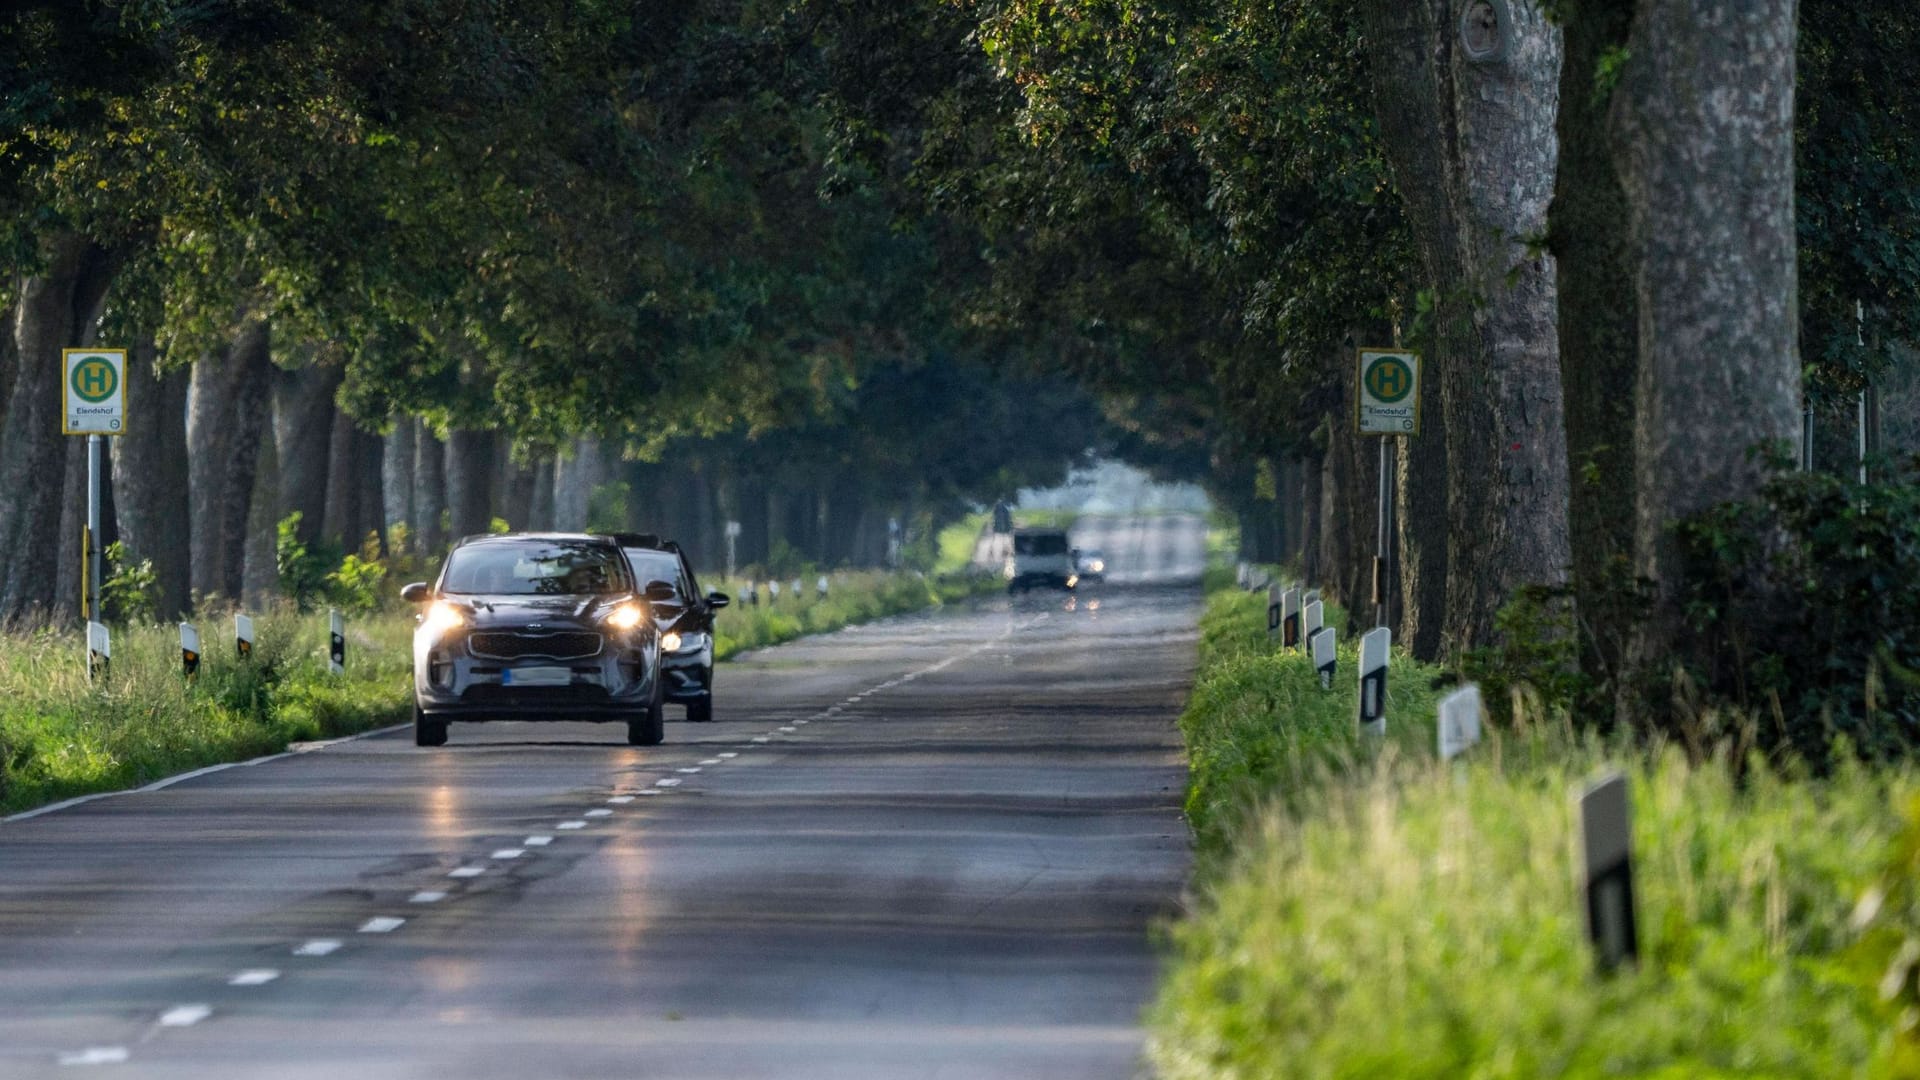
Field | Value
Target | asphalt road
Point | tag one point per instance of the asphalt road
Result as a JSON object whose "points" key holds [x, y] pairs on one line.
{"points": [[929, 847]]}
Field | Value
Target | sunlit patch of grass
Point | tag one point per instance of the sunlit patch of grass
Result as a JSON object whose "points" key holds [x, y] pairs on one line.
{"points": [[852, 597]]}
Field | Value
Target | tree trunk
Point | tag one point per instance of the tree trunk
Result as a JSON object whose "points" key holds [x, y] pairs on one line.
{"points": [[470, 480], [226, 419], [429, 491], [150, 477], [260, 573], [540, 502], [575, 477], [370, 505], [1312, 515], [1599, 313], [396, 475], [516, 493], [340, 520], [1466, 116], [1703, 135], [54, 309], [302, 439]]}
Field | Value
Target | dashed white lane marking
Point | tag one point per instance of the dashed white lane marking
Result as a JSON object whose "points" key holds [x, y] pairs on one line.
{"points": [[834, 710], [95, 1055], [601, 812], [572, 825], [649, 791], [427, 896], [713, 760], [727, 755], [621, 800], [316, 947], [537, 841], [466, 871], [762, 738], [185, 1015], [509, 853], [382, 924], [253, 977], [689, 770], [667, 781], [789, 729]]}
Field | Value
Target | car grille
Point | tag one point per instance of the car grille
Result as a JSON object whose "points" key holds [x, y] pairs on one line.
{"points": [[506, 645]]}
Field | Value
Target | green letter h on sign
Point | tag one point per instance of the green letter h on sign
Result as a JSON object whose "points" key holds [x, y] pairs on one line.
{"points": [[93, 379]]}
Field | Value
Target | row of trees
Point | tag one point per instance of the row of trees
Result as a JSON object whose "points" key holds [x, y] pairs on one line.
{"points": [[407, 261], [1632, 237]]}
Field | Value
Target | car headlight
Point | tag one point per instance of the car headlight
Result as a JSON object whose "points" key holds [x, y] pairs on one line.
{"points": [[1072, 580], [626, 616], [441, 617], [670, 642], [1098, 566]]}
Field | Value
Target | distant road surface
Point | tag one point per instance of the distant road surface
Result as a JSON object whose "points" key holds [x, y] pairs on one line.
{"points": [[931, 847]]}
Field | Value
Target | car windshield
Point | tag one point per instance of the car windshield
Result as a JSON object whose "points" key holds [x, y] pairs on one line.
{"points": [[651, 565], [535, 568], [1040, 543]]}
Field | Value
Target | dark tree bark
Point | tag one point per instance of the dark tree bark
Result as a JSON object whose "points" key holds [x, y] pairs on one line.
{"points": [[369, 506], [1466, 117], [1313, 515], [470, 472], [1598, 324], [540, 508], [396, 475], [429, 491], [226, 419], [53, 309], [260, 573], [1420, 530], [1703, 135], [340, 518], [150, 477], [302, 439], [516, 493]]}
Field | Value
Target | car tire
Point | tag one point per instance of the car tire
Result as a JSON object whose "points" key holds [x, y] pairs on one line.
{"points": [[427, 730], [650, 727], [700, 711]]}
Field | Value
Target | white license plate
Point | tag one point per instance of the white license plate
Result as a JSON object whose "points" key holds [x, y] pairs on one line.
{"points": [[537, 676]]}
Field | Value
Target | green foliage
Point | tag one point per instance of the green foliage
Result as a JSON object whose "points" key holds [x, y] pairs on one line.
{"points": [[129, 591], [359, 584], [607, 507], [303, 570], [1808, 597], [852, 598], [1378, 913]]}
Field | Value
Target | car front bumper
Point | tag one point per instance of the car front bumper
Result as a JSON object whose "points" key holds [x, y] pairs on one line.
{"points": [[613, 684]]}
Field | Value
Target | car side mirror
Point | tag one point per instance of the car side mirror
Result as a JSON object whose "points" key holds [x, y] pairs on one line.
{"points": [[717, 600], [417, 593], [659, 592]]}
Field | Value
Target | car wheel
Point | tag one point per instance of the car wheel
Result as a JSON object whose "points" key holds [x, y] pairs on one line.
{"points": [[700, 711], [428, 731], [650, 727]]}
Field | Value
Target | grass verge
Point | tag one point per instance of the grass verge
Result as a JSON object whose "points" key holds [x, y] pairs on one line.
{"points": [[1369, 911]]}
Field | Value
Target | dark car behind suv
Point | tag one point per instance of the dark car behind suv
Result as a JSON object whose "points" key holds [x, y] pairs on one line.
{"points": [[685, 620], [549, 626]]}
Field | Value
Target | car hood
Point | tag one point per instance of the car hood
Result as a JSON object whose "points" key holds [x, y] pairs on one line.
{"points": [[551, 612]]}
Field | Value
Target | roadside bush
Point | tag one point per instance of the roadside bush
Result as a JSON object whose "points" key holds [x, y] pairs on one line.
{"points": [[1809, 599]]}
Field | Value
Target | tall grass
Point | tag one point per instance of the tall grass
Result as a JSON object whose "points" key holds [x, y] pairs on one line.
{"points": [[852, 597], [1372, 912], [61, 735]]}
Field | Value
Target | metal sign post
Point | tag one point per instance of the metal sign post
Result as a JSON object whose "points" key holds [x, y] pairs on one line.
{"points": [[1375, 648], [1324, 646], [1386, 403], [1460, 715], [1273, 613], [1606, 842], [189, 651], [243, 636], [93, 402], [336, 643]]}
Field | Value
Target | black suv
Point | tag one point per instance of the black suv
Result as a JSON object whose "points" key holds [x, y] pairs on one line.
{"points": [[685, 619], [541, 626]]}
